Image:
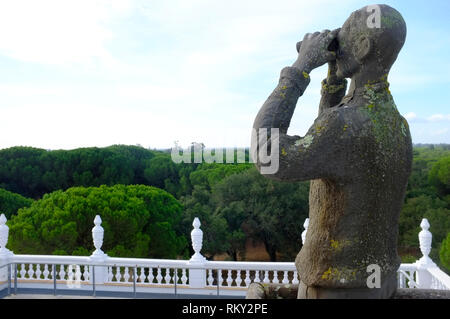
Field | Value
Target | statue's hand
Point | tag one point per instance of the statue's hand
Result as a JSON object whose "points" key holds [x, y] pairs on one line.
{"points": [[313, 50]]}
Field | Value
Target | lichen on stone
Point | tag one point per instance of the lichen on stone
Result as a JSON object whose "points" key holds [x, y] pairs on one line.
{"points": [[333, 88], [341, 275], [305, 142]]}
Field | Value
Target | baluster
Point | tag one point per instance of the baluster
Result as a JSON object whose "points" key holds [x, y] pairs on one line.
{"points": [[266, 277], [275, 278], [167, 277], [78, 274], [86, 274], [285, 277], [62, 272], [159, 276], [210, 277], [70, 275], [295, 278], [219, 277], [183, 277], [38, 272], [126, 274], [229, 278], [247, 278], [22, 272], [30, 271], [142, 275], [257, 276], [238, 278], [151, 277], [46, 272], [118, 274]]}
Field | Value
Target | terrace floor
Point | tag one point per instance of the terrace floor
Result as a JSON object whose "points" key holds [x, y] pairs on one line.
{"points": [[29, 293]]}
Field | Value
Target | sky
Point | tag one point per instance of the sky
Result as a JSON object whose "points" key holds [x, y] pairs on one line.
{"points": [[96, 73]]}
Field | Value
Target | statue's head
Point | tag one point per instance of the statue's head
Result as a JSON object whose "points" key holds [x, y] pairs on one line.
{"points": [[369, 41]]}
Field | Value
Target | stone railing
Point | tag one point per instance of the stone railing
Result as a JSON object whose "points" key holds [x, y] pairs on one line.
{"points": [[99, 272]]}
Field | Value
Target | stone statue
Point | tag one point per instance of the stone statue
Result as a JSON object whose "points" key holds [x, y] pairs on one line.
{"points": [[357, 154]]}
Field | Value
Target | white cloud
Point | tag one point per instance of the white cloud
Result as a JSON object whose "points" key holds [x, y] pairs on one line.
{"points": [[58, 32], [413, 117], [439, 117]]}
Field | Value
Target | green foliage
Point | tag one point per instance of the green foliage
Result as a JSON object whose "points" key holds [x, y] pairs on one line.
{"points": [[428, 197], [139, 221], [265, 210], [215, 228], [439, 176], [413, 211], [423, 161], [33, 172], [408, 259], [11, 202], [444, 252], [207, 175]]}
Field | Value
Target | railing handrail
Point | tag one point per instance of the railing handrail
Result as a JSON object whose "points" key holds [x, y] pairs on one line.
{"points": [[251, 265], [174, 263], [109, 261], [443, 278], [50, 259], [162, 263], [408, 267]]}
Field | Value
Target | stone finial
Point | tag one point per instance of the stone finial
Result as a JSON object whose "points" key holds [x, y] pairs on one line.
{"points": [[305, 225], [97, 236], [4, 232], [425, 239], [197, 241]]}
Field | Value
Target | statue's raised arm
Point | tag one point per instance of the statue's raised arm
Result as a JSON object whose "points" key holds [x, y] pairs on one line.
{"points": [[307, 157]]}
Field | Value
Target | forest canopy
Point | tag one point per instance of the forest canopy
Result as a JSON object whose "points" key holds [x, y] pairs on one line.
{"points": [[139, 221]]}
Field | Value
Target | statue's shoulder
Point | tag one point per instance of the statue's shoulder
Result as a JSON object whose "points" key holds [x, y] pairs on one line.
{"points": [[346, 121], [345, 113]]}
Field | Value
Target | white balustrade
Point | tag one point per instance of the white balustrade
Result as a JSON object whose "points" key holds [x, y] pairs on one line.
{"points": [[196, 273]]}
